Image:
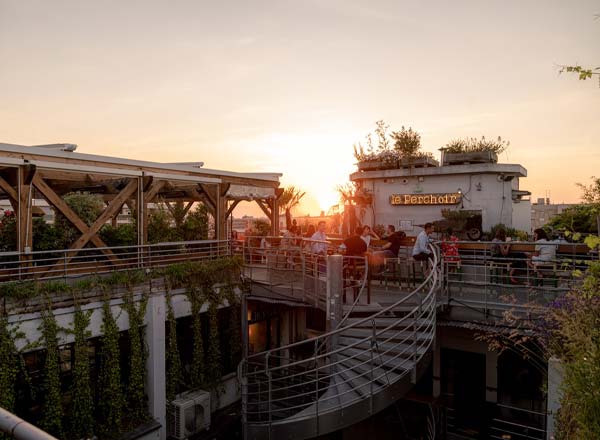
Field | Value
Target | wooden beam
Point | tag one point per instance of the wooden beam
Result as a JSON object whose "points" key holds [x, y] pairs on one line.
{"points": [[224, 188], [153, 190], [264, 208], [113, 207], [232, 207], [8, 189], [188, 207], [212, 194], [69, 214]]}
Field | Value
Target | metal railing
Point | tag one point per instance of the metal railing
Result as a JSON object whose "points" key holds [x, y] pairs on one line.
{"points": [[67, 263], [480, 276], [350, 364], [19, 429], [289, 268]]}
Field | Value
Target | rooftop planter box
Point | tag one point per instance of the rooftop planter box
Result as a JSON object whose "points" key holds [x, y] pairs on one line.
{"points": [[418, 162], [373, 165], [472, 157]]}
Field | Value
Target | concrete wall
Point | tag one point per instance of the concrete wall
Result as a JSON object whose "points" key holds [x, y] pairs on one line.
{"points": [[483, 189]]}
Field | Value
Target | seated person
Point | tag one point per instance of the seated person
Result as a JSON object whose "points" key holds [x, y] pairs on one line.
{"points": [[500, 249], [544, 250], [367, 233], [355, 245], [421, 251], [390, 249]]}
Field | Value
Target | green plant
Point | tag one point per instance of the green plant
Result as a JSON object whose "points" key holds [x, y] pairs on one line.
{"points": [[195, 225], [110, 395], [574, 337], [137, 363], [407, 143], [159, 226], [52, 413], [471, 145], [81, 415], [197, 370], [9, 360], [88, 208], [120, 235], [173, 361]]}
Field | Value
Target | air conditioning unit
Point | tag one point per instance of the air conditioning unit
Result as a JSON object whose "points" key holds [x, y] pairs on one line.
{"points": [[188, 414]]}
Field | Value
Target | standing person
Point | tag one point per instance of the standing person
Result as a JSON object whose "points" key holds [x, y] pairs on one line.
{"points": [[319, 246], [367, 233], [355, 245], [450, 249], [421, 250]]}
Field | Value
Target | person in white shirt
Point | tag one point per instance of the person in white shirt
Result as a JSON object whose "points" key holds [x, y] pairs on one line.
{"points": [[421, 251], [320, 245], [367, 234], [545, 251]]}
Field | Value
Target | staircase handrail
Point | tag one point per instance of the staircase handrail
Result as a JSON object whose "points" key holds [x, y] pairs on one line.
{"points": [[432, 276]]}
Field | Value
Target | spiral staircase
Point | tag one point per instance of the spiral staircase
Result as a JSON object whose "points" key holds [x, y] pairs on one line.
{"points": [[323, 384]]}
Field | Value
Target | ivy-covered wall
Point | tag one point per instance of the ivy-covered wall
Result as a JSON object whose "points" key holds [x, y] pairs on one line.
{"points": [[84, 371]]}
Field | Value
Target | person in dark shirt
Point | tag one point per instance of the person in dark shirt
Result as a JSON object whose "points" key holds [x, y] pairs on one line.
{"points": [[391, 248], [355, 245]]}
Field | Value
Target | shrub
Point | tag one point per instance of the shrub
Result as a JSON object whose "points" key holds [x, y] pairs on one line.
{"points": [[472, 145]]}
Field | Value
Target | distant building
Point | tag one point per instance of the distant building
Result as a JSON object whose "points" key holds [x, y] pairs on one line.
{"points": [[543, 211]]}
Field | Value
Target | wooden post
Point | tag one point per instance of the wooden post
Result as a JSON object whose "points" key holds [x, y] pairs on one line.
{"points": [[274, 217], [221, 214], [24, 219]]}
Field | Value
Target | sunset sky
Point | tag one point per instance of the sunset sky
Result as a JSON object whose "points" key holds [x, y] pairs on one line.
{"points": [[289, 86]]}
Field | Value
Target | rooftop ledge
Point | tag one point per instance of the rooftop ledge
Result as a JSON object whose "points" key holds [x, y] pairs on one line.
{"points": [[447, 170]]}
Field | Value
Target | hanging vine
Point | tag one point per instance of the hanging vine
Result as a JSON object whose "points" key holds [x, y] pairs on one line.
{"points": [[197, 367], [213, 358], [173, 361], [110, 395], [210, 282], [137, 363], [82, 419], [10, 362], [52, 406]]}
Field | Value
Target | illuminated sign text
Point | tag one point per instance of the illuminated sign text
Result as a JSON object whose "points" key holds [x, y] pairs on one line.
{"points": [[425, 199]]}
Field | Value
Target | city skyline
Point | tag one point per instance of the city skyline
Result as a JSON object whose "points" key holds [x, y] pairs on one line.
{"points": [[290, 87]]}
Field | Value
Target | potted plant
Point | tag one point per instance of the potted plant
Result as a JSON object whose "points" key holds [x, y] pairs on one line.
{"points": [[473, 150], [407, 144]]}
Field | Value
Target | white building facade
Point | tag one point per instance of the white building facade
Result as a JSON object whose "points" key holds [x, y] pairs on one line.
{"points": [[410, 197]]}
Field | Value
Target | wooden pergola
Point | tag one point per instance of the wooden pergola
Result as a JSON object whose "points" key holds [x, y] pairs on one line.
{"points": [[50, 172]]}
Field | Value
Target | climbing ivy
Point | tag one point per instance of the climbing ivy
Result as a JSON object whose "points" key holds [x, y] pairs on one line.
{"points": [[137, 362], [52, 406], [197, 368], [9, 359], [82, 420], [199, 279], [110, 395], [213, 359], [174, 372]]}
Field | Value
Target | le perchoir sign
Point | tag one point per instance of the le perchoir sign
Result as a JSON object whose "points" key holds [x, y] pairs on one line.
{"points": [[426, 199]]}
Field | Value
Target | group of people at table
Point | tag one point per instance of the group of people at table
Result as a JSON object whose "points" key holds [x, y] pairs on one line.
{"points": [[359, 243]]}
